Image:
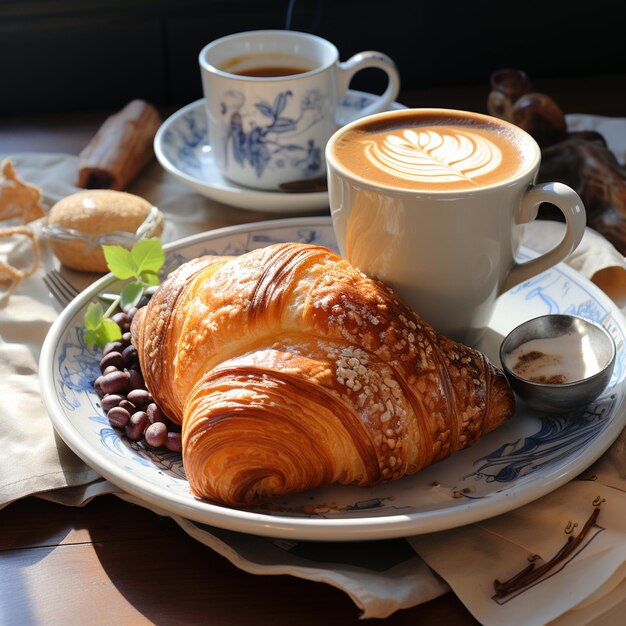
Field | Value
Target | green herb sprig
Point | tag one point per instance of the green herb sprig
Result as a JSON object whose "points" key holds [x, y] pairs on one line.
{"points": [[142, 264]]}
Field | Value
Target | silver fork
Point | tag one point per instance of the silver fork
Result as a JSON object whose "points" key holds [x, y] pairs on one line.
{"points": [[62, 290]]}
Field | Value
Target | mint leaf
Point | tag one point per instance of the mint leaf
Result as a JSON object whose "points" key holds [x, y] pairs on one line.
{"points": [[131, 294], [142, 263], [149, 278], [148, 255], [93, 316], [91, 338], [120, 262], [98, 329], [109, 331]]}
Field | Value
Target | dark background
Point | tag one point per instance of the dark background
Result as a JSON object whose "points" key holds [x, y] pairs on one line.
{"points": [[73, 55]]}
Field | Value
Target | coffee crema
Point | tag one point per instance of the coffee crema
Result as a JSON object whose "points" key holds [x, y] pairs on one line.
{"points": [[431, 151]]}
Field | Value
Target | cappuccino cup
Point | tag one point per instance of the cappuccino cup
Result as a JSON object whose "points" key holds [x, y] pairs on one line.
{"points": [[272, 101], [433, 202]]}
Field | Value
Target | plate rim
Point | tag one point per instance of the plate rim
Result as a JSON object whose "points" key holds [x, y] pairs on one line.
{"points": [[303, 528], [236, 195]]}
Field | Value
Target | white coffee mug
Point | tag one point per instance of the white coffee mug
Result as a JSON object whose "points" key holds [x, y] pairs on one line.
{"points": [[268, 130], [424, 201]]}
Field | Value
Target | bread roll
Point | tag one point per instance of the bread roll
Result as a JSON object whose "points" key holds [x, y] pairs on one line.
{"points": [[79, 224]]}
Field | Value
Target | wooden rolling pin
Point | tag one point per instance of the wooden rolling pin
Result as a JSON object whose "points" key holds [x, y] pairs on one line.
{"points": [[120, 149]]}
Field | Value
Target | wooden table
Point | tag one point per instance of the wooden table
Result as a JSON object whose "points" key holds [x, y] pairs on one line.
{"points": [[111, 562], [115, 563]]}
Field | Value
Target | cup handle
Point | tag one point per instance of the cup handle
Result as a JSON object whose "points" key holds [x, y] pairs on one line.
{"points": [[570, 204], [358, 62]]}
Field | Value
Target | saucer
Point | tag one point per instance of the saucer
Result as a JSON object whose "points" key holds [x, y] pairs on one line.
{"points": [[181, 147]]}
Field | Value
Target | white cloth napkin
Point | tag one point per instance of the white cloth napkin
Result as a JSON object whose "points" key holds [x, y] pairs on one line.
{"points": [[380, 577], [470, 558]]}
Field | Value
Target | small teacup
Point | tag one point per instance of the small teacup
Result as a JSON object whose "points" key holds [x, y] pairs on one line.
{"points": [[433, 202], [272, 101]]}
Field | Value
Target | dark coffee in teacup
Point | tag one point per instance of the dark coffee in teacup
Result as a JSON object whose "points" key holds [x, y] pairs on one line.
{"points": [[268, 65], [433, 151]]}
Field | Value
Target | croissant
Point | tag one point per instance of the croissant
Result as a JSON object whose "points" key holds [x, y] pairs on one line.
{"points": [[289, 369]]}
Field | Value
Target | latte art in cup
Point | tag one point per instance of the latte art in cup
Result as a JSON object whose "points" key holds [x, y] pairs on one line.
{"points": [[431, 153], [437, 155]]}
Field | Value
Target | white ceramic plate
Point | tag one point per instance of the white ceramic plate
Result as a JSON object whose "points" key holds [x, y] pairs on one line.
{"points": [[182, 148], [526, 458]]}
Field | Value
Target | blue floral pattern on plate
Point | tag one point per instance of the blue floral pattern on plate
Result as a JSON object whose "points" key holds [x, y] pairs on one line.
{"points": [[524, 459]]}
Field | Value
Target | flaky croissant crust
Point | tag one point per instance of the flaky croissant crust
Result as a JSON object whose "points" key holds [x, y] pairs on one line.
{"points": [[290, 369]]}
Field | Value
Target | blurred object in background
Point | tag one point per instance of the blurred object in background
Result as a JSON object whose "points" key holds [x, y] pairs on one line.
{"points": [[512, 98], [580, 159], [120, 149]]}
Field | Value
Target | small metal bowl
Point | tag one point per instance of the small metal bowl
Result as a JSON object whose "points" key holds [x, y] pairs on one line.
{"points": [[585, 348]]}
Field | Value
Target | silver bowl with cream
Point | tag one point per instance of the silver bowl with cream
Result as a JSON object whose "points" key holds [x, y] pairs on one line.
{"points": [[558, 362]]}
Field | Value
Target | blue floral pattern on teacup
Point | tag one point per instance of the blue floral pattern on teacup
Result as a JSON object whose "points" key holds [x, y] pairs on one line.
{"points": [[274, 144]]}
